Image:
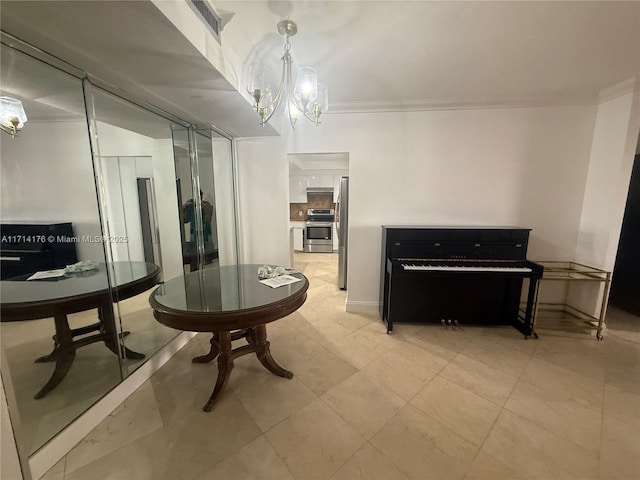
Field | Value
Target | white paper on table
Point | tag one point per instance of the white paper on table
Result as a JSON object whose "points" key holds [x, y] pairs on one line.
{"points": [[47, 274], [280, 281]]}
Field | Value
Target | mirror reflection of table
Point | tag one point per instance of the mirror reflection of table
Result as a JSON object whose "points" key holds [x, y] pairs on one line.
{"points": [[190, 254], [22, 299], [231, 303]]}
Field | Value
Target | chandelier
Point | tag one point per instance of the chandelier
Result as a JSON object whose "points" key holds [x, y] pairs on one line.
{"points": [[306, 97], [12, 116]]}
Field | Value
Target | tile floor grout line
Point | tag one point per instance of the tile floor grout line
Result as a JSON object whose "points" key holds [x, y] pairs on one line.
{"points": [[536, 354]]}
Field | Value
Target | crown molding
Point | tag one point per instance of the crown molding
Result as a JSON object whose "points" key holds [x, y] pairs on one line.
{"points": [[579, 99], [617, 90], [461, 104]]}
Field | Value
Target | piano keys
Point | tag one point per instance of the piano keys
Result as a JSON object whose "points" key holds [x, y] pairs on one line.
{"points": [[459, 275], [464, 268]]}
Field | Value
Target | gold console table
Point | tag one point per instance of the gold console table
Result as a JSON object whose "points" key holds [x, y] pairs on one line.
{"points": [[563, 313]]}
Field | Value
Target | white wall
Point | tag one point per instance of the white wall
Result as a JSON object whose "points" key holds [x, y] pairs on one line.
{"points": [[524, 167], [46, 175], [263, 191], [614, 142]]}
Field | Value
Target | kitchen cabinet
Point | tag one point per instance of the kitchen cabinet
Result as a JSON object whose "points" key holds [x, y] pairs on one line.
{"points": [[298, 189], [298, 236], [326, 180], [298, 186], [336, 187], [313, 180], [319, 180]]}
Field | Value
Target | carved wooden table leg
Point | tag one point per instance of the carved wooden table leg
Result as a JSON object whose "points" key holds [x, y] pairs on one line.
{"points": [[264, 354], [221, 347], [225, 365], [107, 322], [213, 352], [51, 357], [251, 336], [64, 352]]}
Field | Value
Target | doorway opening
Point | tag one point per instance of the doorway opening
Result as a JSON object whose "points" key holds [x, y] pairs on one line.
{"points": [[318, 215], [624, 301]]}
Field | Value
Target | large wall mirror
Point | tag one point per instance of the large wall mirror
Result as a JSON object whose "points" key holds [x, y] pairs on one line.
{"points": [[98, 182], [50, 217], [205, 172], [136, 184]]}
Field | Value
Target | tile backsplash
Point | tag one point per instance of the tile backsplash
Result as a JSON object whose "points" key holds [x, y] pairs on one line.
{"points": [[298, 211]]}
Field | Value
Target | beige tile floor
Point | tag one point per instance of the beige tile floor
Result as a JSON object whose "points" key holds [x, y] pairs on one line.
{"points": [[95, 370], [428, 402]]}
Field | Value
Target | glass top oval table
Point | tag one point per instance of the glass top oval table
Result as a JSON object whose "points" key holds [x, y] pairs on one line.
{"points": [[231, 303], [22, 299]]}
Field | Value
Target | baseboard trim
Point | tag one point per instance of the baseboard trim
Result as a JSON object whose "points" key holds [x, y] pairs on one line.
{"points": [[362, 307], [47, 456]]}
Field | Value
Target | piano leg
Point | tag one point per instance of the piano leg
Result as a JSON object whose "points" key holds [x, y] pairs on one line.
{"points": [[529, 317]]}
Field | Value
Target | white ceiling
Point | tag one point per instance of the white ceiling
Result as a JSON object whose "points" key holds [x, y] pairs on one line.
{"points": [[399, 54], [373, 55]]}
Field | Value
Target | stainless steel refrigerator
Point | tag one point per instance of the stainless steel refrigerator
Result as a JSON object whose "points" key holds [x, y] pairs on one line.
{"points": [[342, 226]]}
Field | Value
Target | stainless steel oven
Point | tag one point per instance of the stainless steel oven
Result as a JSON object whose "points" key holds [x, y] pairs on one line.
{"points": [[318, 232]]}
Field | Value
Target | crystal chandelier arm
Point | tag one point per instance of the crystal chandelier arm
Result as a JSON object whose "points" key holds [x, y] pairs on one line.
{"points": [[276, 99], [313, 118], [275, 102], [292, 98], [11, 130]]}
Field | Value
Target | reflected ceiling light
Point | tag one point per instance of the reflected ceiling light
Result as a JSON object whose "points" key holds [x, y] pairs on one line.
{"points": [[306, 97], [12, 116]]}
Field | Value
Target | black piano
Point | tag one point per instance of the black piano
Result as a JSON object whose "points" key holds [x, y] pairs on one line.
{"points": [[457, 275], [26, 248]]}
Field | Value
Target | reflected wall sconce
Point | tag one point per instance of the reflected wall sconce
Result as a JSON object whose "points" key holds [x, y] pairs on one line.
{"points": [[12, 116], [306, 97]]}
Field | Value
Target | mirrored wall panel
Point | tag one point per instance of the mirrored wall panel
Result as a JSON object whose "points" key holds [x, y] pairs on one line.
{"points": [[137, 187], [101, 199], [57, 332], [205, 171]]}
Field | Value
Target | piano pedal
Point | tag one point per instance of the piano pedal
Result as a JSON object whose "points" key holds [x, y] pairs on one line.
{"points": [[449, 322]]}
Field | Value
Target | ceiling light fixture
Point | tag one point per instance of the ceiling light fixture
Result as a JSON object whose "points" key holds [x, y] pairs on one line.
{"points": [[12, 116], [306, 97]]}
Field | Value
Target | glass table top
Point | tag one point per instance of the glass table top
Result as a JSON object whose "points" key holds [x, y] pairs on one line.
{"points": [[20, 290], [224, 289]]}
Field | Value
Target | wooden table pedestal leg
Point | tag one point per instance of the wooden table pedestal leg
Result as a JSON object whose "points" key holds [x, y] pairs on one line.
{"points": [[225, 365], [64, 354], [213, 351], [264, 354], [221, 347], [107, 321]]}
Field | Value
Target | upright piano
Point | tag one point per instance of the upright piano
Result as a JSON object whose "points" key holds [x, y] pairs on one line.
{"points": [[27, 248], [457, 275]]}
